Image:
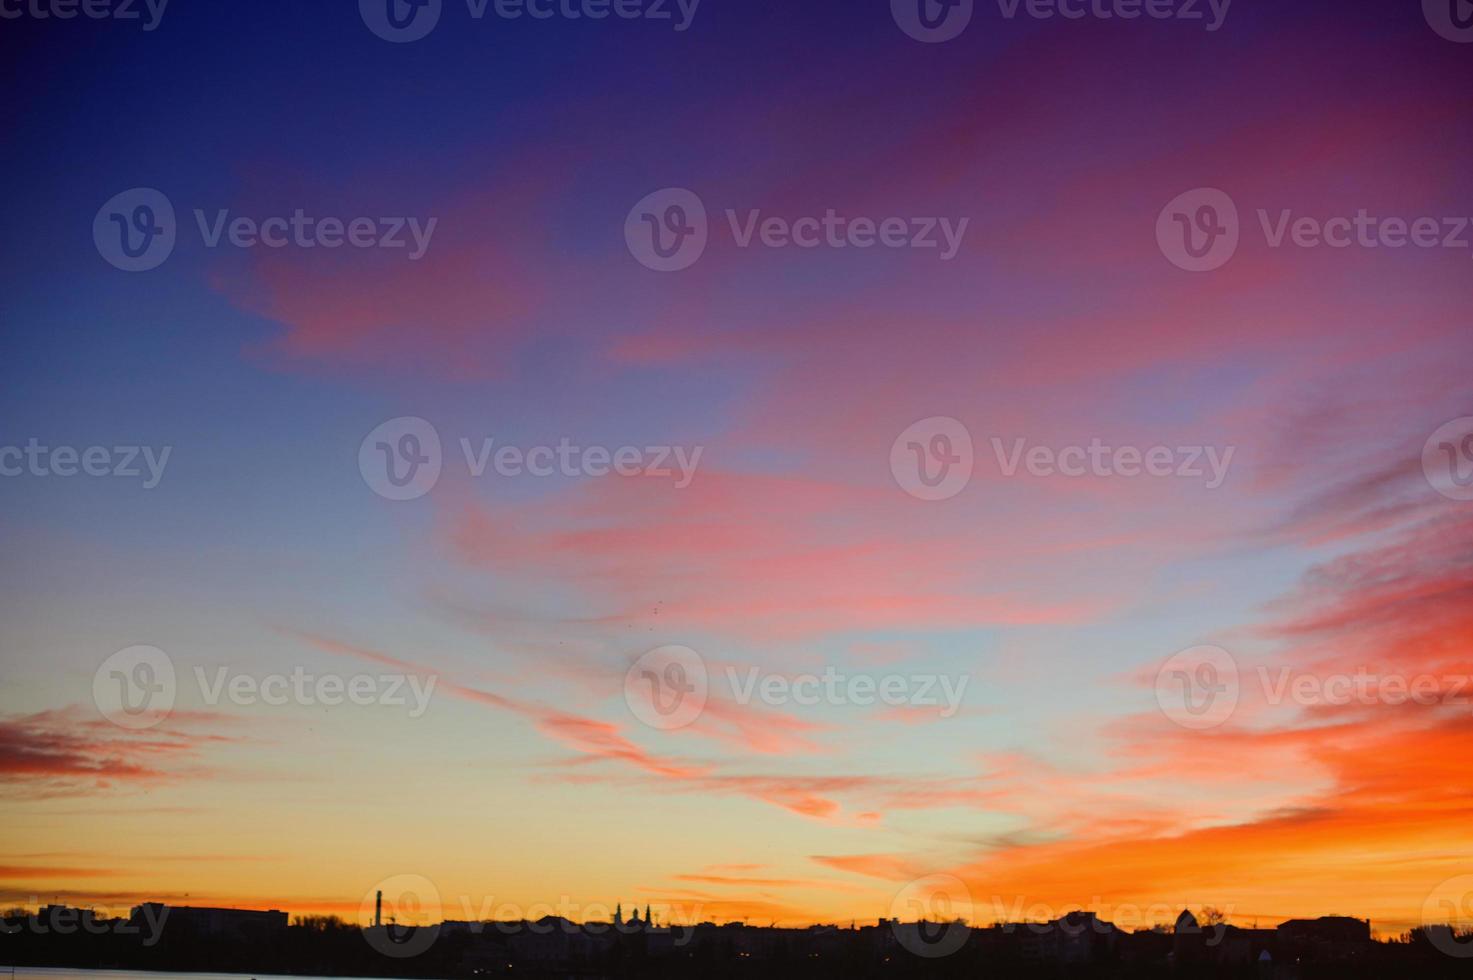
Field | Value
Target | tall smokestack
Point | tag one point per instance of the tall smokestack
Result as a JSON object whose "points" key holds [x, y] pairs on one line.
{"points": [[378, 909]]}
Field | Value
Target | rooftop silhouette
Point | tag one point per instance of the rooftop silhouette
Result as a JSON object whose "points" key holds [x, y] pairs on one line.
{"points": [[161, 937]]}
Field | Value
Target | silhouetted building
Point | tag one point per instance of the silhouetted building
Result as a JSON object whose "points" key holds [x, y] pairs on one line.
{"points": [[1075, 939], [65, 918], [1189, 942], [1332, 929], [1328, 938], [1238, 947], [209, 923]]}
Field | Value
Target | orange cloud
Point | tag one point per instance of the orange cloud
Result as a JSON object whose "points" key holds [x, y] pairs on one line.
{"points": [[1360, 808]]}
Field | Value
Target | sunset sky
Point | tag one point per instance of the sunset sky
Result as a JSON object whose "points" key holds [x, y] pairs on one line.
{"points": [[794, 549]]}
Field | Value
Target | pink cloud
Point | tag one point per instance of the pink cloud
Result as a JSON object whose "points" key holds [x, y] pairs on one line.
{"points": [[784, 557], [64, 752]]}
